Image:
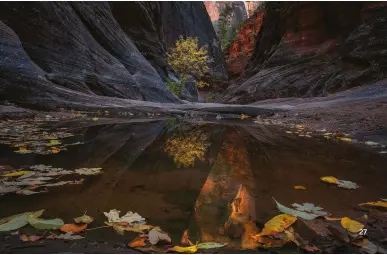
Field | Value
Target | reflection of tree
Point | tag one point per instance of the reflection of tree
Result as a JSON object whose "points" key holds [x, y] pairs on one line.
{"points": [[225, 210], [186, 147]]}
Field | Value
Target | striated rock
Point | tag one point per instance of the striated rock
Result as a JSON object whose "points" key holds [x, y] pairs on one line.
{"points": [[312, 49], [190, 91]]}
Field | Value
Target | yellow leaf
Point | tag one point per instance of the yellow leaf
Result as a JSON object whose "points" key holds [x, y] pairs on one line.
{"points": [[189, 249], [19, 173], [299, 187], [55, 150], [329, 179], [351, 225], [377, 203], [137, 242], [95, 118], [345, 139], [289, 132], [244, 116], [277, 225]]}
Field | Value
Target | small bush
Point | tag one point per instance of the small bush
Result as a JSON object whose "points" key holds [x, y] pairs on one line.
{"points": [[174, 86]]}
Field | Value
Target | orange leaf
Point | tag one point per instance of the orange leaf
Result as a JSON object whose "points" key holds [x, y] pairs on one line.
{"points": [[75, 228], [137, 242], [32, 238]]}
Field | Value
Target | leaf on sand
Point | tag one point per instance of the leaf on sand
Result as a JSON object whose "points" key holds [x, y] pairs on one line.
{"points": [[32, 238], [84, 219], [75, 228], [277, 225], [351, 225], [303, 215], [14, 174], [189, 249], [329, 179], [156, 235], [67, 236], [299, 187], [88, 171], [130, 217], [377, 204], [210, 245], [17, 221], [137, 242], [347, 184], [45, 224]]}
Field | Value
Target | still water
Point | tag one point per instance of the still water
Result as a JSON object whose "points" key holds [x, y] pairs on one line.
{"points": [[214, 182]]}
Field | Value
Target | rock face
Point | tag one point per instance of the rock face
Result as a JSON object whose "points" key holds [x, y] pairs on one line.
{"points": [[56, 54], [311, 49]]}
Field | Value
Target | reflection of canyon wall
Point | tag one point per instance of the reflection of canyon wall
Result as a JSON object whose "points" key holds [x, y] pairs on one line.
{"points": [[311, 49]]}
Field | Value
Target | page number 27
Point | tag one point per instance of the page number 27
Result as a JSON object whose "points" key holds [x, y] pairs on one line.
{"points": [[363, 232]]}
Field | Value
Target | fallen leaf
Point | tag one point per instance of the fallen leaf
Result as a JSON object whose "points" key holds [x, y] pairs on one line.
{"points": [[55, 150], [53, 143], [244, 116], [345, 139], [129, 217], [32, 238], [303, 215], [14, 174], [88, 171], [377, 203], [9, 189], [23, 150], [299, 187], [137, 242], [185, 240], [331, 219], [45, 224], [156, 235], [67, 236], [347, 184], [17, 221], [95, 118], [370, 143], [329, 179], [309, 207], [27, 192], [189, 249], [75, 228], [351, 225], [210, 245], [277, 225], [84, 219], [135, 227]]}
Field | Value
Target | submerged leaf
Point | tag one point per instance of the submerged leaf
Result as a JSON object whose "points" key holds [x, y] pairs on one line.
{"points": [[347, 184], [303, 215], [74, 228], [189, 249], [351, 225], [277, 225]]}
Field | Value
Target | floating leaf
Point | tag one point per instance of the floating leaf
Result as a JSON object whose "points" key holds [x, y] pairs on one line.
{"points": [[32, 238], [14, 174], [129, 217], [299, 187], [95, 118], [84, 219], [23, 150], [17, 221], [137, 242], [8, 189], [370, 143], [347, 184], [27, 192], [210, 245], [189, 249], [345, 139], [88, 171], [277, 225], [244, 116], [75, 228], [53, 143], [311, 208], [156, 235], [45, 224], [351, 225], [136, 227], [377, 203], [303, 215], [329, 179]]}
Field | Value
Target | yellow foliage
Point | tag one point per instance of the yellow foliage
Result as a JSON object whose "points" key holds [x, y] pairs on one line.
{"points": [[185, 148], [351, 225], [14, 174], [377, 203], [189, 249], [329, 179], [277, 225]]}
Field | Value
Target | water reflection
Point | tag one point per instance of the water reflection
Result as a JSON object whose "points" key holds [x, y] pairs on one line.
{"points": [[212, 182]]}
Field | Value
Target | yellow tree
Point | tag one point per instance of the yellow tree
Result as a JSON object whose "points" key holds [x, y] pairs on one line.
{"points": [[187, 58]]}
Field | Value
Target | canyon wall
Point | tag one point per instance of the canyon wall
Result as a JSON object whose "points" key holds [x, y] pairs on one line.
{"points": [[310, 49]]}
